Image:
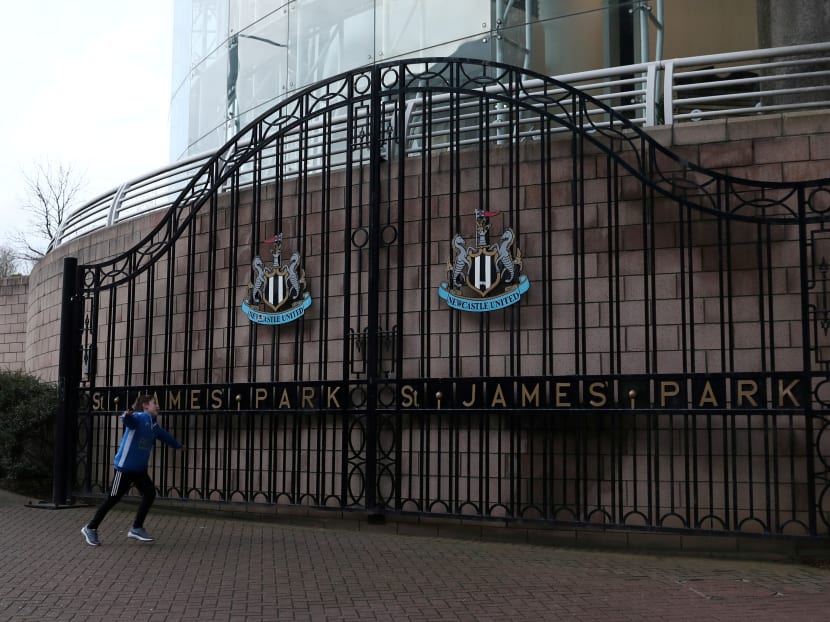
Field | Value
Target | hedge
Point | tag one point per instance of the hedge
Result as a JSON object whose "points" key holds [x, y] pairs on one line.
{"points": [[27, 414]]}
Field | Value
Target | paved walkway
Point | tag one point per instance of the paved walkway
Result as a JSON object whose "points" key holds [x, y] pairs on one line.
{"points": [[209, 568]]}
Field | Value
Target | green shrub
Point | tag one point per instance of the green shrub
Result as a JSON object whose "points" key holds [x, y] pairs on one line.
{"points": [[27, 413]]}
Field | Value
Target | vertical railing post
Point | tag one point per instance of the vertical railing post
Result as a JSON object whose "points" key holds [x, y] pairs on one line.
{"points": [[668, 92], [68, 369], [375, 145], [807, 354]]}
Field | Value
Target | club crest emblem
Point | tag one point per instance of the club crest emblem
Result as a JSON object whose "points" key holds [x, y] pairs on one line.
{"points": [[277, 293], [485, 277]]}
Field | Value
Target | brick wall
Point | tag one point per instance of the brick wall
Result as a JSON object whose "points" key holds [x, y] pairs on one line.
{"points": [[14, 296], [42, 336], [787, 147], [778, 148]]}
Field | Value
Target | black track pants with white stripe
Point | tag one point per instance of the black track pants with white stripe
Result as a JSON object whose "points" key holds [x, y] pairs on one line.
{"points": [[120, 485]]}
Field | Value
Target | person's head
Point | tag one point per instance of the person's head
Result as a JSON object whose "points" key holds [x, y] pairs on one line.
{"points": [[146, 403]]}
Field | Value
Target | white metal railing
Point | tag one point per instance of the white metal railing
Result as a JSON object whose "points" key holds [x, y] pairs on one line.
{"points": [[660, 92], [751, 82]]}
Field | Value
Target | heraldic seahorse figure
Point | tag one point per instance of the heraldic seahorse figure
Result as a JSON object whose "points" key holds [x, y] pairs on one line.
{"points": [[504, 262], [294, 280], [462, 262], [259, 280]]}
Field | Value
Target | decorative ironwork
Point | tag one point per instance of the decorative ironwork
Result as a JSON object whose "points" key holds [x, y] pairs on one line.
{"points": [[387, 356], [660, 373]]}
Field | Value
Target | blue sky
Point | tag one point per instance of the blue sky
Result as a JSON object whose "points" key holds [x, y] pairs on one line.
{"points": [[85, 83]]}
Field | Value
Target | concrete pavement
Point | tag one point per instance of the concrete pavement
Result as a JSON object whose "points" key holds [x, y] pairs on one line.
{"points": [[209, 568]]}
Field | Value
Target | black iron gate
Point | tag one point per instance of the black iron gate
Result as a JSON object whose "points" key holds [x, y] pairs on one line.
{"points": [[501, 300]]}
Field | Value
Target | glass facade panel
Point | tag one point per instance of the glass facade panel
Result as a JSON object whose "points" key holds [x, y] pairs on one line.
{"points": [[572, 35], [180, 86], [236, 58], [244, 14], [210, 28], [477, 47], [258, 69], [329, 37], [198, 102], [405, 27], [208, 101], [696, 27]]}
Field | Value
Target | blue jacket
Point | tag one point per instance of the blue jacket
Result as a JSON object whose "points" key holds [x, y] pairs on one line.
{"points": [[141, 431]]}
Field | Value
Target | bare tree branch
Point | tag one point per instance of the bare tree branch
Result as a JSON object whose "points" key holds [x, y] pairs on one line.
{"points": [[51, 192], [8, 261]]}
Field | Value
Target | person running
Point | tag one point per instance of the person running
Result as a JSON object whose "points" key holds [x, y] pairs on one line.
{"points": [[140, 433]]}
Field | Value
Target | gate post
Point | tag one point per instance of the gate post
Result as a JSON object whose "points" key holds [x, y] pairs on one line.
{"points": [[68, 376], [375, 138]]}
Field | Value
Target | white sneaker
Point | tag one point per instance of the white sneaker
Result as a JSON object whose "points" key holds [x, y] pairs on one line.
{"points": [[139, 533], [91, 536]]}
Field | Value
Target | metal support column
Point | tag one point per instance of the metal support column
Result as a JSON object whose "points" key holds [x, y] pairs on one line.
{"points": [[68, 370]]}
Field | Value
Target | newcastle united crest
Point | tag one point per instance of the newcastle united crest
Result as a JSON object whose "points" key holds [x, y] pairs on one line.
{"points": [[485, 277], [277, 293]]}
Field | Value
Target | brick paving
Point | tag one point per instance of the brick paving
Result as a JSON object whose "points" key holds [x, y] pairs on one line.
{"points": [[206, 568]]}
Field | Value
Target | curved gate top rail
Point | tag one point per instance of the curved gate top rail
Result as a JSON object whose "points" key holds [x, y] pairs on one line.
{"points": [[410, 84], [712, 86], [454, 287]]}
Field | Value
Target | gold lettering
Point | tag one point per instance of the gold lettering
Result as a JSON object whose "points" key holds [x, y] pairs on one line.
{"points": [[216, 399], [332, 397], [194, 399], [285, 401], [708, 396], [260, 395], [97, 401], [409, 396], [528, 397], [472, 398], [747, 389], [788, 390], [561, 395], [665, 392], [308, 397], [174, 400], [596, 390], [498, 397]]}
